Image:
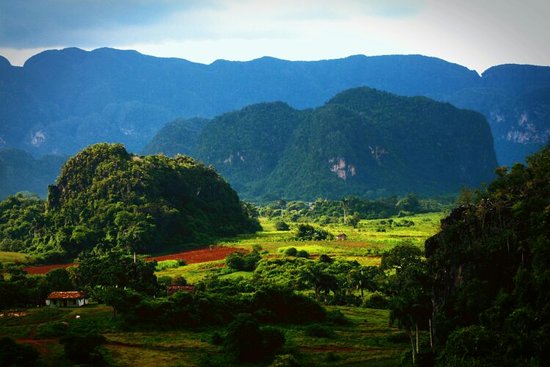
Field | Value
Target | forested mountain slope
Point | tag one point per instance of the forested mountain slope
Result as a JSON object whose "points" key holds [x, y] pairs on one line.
{"points": [[362, 142]]}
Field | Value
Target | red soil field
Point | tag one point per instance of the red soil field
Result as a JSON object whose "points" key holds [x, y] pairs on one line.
{"points": [[199, 256], [43, 269], [190, 257]]}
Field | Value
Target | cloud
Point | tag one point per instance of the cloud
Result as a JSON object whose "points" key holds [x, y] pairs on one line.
{"points": [[40, 23], [476, 34]]}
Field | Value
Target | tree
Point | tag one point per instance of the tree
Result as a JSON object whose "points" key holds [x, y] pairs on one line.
{"points": [[306, 232], [364, 278], [59, 280], [246, 342], [401, 256], [115, 268], [281, 226], [408, 284]]}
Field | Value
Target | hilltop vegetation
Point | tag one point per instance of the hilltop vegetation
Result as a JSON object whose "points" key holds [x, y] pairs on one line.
{"points": [[362, 142], [107, 196]]}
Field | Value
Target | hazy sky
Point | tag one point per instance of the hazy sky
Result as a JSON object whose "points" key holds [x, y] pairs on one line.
{"points": [[474, 33]]}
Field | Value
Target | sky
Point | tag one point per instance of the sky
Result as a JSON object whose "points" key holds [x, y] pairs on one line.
{"points": [[474, 33]]}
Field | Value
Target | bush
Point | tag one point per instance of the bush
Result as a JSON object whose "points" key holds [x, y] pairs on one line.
{"points": [[14, 354], [281, 305], [84, 349], [52, 329], [303, 253], [167, 264], [291, 251], [337, 317], [376, 300], [319, 331], [306, 232], [324, 258], [282, 226], [240, 262], [246, 342]]}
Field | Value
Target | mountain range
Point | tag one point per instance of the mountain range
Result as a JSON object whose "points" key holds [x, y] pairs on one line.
{"points": [[362, 142], [63, 100]]}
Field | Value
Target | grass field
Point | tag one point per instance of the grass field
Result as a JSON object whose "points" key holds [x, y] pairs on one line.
{"points": [[365, 243], [366, 341], [14, 258]]}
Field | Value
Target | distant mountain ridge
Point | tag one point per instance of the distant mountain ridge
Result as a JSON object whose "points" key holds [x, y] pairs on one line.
{"points": [[61, 101], [361, 142]]}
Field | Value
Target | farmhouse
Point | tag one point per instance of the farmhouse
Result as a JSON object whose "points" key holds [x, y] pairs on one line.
{"points": [[342, 237], [66, 299]]}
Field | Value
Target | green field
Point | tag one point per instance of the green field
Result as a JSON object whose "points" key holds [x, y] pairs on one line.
{"points": [[365, 243], [14, 258], [366, 341]]}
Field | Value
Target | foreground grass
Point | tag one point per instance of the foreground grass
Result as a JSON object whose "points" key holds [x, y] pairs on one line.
{"points": [[365, 341]]}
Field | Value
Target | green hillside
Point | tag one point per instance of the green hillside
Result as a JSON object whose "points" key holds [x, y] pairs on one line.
{"points": [[362, 142], [179, 136], [107, 196]]}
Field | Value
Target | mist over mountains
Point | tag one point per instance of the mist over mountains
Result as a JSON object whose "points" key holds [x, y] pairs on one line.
{"points": [[62, 101]]}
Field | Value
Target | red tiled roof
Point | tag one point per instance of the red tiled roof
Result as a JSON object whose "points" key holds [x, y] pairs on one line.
{"points": [[67, 295], [171, 289]]}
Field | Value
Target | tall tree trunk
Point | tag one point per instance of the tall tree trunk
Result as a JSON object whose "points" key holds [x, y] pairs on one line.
{"points": [[416, 334], [431, 332], [412, 347]]}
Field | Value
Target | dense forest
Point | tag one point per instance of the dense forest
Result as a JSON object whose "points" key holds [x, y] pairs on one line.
{"points": [[489, 272], [270, 150], [477, 296], [104, 195]]}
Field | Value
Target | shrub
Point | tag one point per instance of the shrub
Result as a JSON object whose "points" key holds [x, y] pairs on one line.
{"points": [[376, 300], [303, 253], [179, 280], [52, 329], [246, 342], [240, 262], [324, 258], [306, 232], [282, 305], [319, 331], [291, 251], [282, 226], [84, 349], [337, 317], [167, 264]]}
